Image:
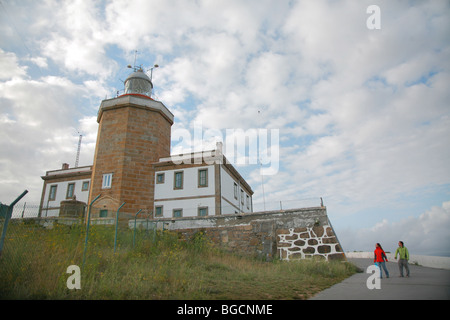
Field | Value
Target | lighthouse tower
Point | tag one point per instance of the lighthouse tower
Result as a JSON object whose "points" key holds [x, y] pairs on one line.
{"points": [[134, 132]]}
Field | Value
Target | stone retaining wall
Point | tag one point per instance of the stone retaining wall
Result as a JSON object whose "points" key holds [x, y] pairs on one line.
{"points": [[290, 234], [299, 243]]}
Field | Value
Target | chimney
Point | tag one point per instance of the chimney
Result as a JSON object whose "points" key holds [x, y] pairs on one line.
{"points": [[219, 146], [65, 166]]}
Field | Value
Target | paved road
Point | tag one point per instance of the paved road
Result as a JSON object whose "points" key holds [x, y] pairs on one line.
{"points": [[423, 284]]}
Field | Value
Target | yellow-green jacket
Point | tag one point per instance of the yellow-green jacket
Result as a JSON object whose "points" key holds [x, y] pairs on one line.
{"points": [[403, 251]]}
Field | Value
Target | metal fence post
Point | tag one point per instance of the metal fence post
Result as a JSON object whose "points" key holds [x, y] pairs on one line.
{"points": [[87, 229], [134, 232], [117, 223], [7, 218]]}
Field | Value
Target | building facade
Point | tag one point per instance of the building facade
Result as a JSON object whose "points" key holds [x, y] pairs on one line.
{"points": [[65, 184], [199, 184]]}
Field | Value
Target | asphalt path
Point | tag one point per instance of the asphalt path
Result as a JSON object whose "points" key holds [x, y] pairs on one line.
{"points": [[423, 284]]}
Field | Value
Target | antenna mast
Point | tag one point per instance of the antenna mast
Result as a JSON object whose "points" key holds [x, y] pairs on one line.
{"points": [[78, 151]]}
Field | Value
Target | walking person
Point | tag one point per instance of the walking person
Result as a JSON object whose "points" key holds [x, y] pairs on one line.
{"points": [[403, 258], [380, 260]]}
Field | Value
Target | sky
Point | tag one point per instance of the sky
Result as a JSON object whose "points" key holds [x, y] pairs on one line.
{"points": [[358, 99]]}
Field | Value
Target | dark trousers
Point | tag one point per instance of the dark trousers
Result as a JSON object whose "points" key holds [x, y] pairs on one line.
{"points": [[403, 263]]}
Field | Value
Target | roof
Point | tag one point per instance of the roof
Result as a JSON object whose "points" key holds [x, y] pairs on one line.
{"points": [[138, 74], [78, 172]]}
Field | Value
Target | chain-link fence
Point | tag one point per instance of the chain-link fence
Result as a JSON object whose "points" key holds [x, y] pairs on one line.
{"points": [[38, 250]]}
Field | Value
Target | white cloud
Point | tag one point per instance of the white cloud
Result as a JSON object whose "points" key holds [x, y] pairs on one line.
{"points": [[40, 62], [9, 66], [77, 38], [38, 129]]}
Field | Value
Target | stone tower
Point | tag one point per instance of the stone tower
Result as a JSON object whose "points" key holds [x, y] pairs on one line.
{"points": [[134, 132]]}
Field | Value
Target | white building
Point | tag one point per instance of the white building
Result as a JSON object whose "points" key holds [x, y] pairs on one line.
{"points": [[62, 185], [199, 184]]}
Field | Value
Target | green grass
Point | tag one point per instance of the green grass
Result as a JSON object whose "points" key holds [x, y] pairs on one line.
{"points": [[160, 266]]}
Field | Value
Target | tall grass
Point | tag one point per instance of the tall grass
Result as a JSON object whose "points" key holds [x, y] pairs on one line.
{"points": [[159, 266]]}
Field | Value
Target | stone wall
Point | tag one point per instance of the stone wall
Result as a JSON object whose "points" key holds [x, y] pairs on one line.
{"points": [[72, 209], [289, 234], [306, 242]]}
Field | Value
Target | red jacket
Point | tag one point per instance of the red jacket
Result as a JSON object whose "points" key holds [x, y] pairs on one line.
{"points": [[380, 255]]}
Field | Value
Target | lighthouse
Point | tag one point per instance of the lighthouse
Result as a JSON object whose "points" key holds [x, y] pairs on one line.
{"points": [[133, 132]]}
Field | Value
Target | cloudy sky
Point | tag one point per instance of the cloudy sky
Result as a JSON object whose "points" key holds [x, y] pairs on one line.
{"points": [[363, 115]]}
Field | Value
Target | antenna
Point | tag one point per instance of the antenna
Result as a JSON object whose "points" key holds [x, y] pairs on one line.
{"points": [[134, 65], [135, 68], [151, 71], [261, 171], [78, 151], [262, 185]]}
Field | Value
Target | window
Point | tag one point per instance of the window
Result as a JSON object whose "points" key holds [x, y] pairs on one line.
{"points": [[158, 211], [248, 201], [242, 197], [70, 190], [52, 194], [178, 180], [85, 186], [177, 213], [107, 179], [202, 178], [202, 211], [235, 190], [103, 213], [160, 178]]}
